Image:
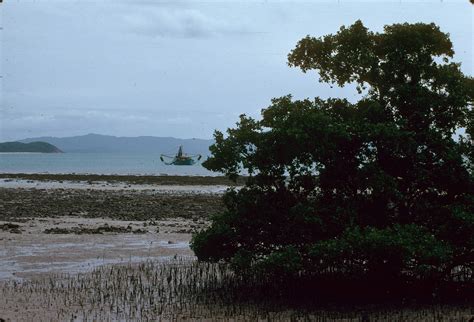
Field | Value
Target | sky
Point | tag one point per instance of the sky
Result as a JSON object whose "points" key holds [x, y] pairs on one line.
{"points": [[178, 68]]}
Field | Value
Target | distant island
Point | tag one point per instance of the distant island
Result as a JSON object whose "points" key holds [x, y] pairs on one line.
{"points": [[96, 143], [41, 147]]}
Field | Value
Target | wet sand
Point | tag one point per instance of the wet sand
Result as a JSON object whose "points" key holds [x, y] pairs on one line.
{"points": [[70, 227], [34, 253]]}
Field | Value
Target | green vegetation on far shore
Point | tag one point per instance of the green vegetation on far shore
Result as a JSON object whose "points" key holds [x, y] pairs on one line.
{"points": [[41, 147]]}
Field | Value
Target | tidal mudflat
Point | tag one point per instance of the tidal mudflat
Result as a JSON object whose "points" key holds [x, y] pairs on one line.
{"points": [[182, 289], [25, 199], [68, 227], [119, 251], [38, 247]]}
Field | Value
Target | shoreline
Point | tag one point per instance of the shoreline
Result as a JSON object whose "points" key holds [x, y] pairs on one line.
{"points": [[169, 189], [162, 179]]}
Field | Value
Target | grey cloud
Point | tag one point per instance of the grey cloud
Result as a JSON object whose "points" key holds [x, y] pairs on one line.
{"points": [[172, 22]]}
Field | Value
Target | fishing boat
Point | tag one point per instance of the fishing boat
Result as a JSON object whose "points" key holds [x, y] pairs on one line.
{"points": [[180, 158]]}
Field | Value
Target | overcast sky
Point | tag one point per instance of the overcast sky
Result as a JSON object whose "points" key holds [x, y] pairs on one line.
{"points": [[176, 68]]}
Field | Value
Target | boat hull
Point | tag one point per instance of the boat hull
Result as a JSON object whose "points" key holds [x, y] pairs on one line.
{"points": [[183, 162]]}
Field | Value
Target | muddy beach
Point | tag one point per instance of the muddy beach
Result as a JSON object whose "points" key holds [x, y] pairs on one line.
{"points": [[72, 245], [30, 199], [69, 226]]}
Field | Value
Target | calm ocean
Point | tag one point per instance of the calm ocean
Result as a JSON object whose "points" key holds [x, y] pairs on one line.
{"points": [[96, 163]]}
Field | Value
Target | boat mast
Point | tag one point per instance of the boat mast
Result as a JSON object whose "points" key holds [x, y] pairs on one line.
{"points": [[180, 152]]}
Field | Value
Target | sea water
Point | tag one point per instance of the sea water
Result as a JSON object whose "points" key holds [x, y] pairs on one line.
{"points": [[95, 163]]}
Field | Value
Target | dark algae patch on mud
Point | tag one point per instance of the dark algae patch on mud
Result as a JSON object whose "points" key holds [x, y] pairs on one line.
{"points": [[99, 230], [10, 227], [132, 179], [120, 204]]}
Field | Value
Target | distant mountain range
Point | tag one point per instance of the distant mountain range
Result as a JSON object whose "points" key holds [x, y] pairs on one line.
{"points": [[35, 146], [140, 144]]}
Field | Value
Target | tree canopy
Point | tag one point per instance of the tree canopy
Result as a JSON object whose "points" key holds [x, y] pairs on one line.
{"points": [[383, 187]]}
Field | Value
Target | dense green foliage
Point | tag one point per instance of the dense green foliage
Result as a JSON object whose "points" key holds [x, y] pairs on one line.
{"points": [[42, 147], [381, 188]]}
